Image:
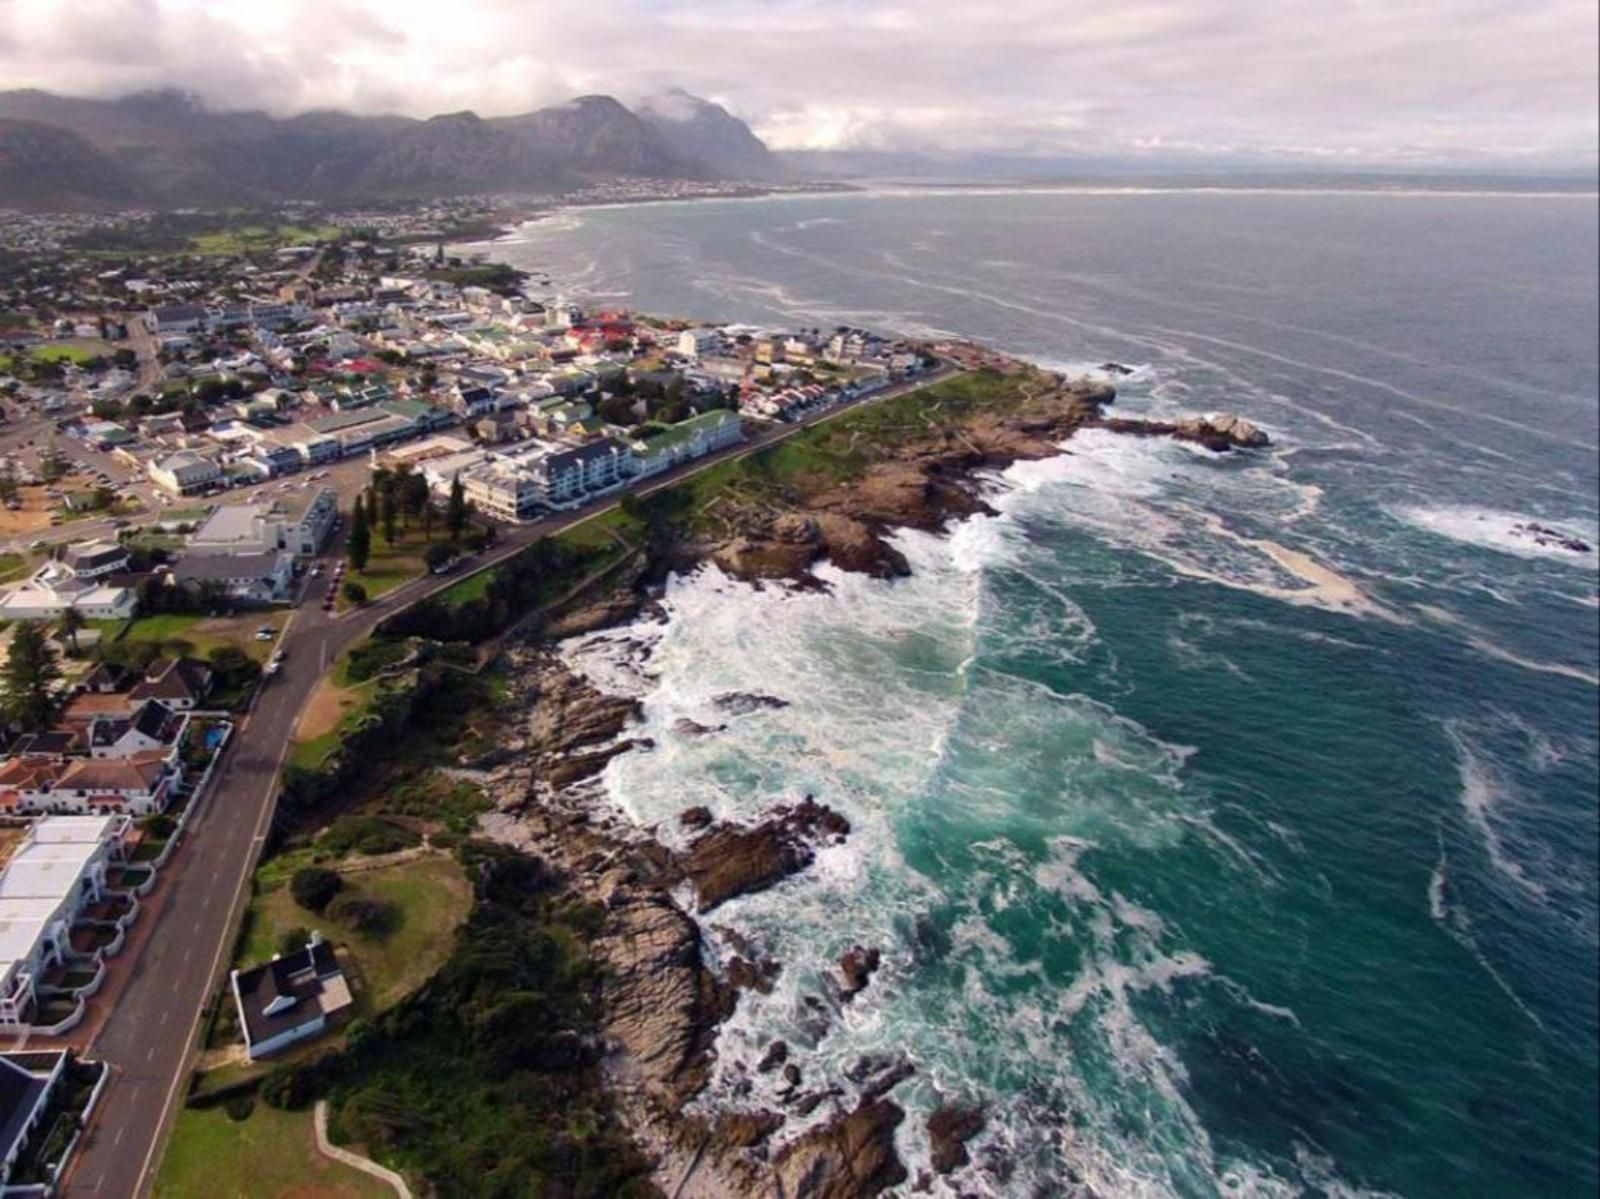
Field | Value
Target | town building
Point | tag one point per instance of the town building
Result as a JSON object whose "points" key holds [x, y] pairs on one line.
{"points": [[290, 998], [58, 869], [184, 473], [297, 521], [258, 578], [28, 1079], [79, 579], [687, 440]]}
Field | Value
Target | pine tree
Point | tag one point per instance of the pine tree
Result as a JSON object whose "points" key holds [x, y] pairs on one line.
{"points": [[455, 517], [28, 683], [359, 547]]}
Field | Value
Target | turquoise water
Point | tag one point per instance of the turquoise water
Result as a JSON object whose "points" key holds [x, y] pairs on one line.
{"points": [[1228, 824]]}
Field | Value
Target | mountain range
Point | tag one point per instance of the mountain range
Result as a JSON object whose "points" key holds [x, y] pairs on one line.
{"points": [[166, 149]]}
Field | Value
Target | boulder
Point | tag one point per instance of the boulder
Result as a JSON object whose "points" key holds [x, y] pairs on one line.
{"points": [[950, 1127], [695, 818], [857, 966], [847, 1158], [732, 860]]}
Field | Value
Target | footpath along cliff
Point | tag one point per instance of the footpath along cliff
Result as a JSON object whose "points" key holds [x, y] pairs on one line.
{"points": [[665, 994]]}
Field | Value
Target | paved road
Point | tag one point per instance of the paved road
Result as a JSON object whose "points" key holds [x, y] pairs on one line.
{"points": [[148, 1037]]}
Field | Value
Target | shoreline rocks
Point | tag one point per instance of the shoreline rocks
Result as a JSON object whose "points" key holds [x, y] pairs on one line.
{"points": [[662, 1001], [1218, 432], [731, 860]]}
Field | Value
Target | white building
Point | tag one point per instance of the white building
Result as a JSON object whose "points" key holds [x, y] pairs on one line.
{"points": [[298, 521], [687, 440], [77, 580], [692, 343], [184, 473], [262, 578], [290, 998], [58, 870]]}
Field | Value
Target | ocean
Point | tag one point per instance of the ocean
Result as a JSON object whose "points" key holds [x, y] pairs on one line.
{"points": [[1228, 824]]}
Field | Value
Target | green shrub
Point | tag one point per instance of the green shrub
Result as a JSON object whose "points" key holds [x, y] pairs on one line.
{"points": [[240, 1107], [293, 941], [362, 913], [367, 835], [314, 886]]}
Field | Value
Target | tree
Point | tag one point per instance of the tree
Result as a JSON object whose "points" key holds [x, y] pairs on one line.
{"points": [[71, 621], [361, 913], [293, 941], [312, 887], [232, 666], [354, 592], [31, 673], [391, 514], [455, 517], [359, 547]]}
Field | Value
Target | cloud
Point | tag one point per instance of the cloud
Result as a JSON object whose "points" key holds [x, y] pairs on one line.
{"points": [[1429, 80]]}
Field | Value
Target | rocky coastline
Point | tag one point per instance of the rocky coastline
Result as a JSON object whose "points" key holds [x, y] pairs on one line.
{"points": [[665, 994]]}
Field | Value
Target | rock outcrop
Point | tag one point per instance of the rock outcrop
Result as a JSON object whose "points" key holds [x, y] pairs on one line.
{"points": [[1219, 432], [847, 1158], [731, 860], [857, 966], [661, 1006], [950, 1127]]}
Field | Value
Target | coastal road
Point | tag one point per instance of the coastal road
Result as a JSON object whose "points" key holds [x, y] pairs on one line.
{"points": [[149, 1036]]}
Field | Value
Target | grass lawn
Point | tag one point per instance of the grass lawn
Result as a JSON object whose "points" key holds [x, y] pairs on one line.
{"points": [[431, 897], [390, 565], [333, 708], [248, 239], [270, 1155], [206, 633], [75, 352], [613, 531], [14, 567]]}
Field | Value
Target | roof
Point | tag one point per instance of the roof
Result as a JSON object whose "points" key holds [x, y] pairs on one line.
{"points": [[93, 554], [310, 981], [105, 674], [22, 1093], [167, 679], [139, 773], [233, 524], [179, 312], [93, 704], [588, 452], [194, 568], [684, 430], [152, 718]]}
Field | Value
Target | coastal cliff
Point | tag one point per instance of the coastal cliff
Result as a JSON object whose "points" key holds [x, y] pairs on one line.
{"points": [[666, 992]]}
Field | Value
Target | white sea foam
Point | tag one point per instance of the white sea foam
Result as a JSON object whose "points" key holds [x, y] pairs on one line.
{"points": [[1493, 529], [888, 721]]}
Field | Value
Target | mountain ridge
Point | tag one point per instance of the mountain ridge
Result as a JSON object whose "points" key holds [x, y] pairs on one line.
{"points": [[164, 147]]}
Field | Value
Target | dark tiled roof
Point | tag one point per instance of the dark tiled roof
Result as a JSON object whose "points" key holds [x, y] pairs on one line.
{"points": [[20, 1095], [298, 976], [183, 679]]}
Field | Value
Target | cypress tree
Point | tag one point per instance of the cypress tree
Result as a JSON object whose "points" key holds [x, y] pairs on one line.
{"points": [[359, 547]]}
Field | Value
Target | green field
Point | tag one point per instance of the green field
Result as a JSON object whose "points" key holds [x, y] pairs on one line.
{"points": [[388, 566], [270, 1155], [14, 567], [205, 633], [431, 897], [75, 352], [252, 239], [613, 531]]}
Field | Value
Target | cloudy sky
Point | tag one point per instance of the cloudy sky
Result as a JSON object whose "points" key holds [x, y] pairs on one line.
{"points": [[1324, 80]]}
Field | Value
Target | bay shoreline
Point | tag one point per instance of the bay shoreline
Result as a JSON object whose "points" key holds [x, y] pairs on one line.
{"points": [[666, 993]]}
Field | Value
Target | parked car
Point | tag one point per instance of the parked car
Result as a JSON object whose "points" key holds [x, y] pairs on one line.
{"points": [[266, 633]]}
